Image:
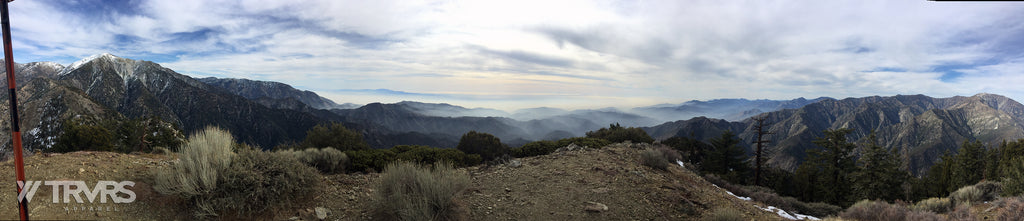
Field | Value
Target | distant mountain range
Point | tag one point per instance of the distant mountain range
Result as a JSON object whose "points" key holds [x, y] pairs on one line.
{"points": [[921, 127], [727, 109], [267, 113]]}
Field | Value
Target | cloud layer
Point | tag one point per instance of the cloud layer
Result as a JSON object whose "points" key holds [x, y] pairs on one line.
{"points": [[574, 54]]}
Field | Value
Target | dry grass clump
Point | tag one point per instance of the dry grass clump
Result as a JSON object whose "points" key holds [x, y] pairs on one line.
{"points": [[326, 160], [724, 214], [867, 210], [934, 204], [408, 191]]}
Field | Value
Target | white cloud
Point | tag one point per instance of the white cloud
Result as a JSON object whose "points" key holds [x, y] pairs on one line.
{"points": [[560, 53]]}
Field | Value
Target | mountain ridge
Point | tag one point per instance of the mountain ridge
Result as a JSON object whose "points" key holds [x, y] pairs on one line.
{"points": [[920, 127]]}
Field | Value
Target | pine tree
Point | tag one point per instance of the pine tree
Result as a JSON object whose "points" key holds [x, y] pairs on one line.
{"points": [[878, 174], [835, 163], [968, 167], [727, 158]]}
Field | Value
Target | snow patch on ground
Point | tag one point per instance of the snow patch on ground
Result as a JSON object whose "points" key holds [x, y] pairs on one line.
{"points": [[738, 197], [680, 163], [787, 215], [772, 209]]}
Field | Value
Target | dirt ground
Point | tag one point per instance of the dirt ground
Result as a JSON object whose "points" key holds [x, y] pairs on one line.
{"points": [[559, 186]]}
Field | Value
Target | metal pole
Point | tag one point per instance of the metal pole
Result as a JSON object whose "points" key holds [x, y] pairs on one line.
{"points": [[19, 163]]}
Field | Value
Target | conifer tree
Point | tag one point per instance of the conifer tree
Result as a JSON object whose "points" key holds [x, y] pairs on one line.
{"points": [[878, 174], [727, 158], [831, 166], [968, 167]]}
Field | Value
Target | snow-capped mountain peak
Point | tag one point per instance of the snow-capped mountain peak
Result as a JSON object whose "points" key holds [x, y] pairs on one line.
{"points": [[79, 63]]}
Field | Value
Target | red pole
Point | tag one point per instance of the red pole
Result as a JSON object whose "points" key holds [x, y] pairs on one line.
{"points": [[19, 163]]}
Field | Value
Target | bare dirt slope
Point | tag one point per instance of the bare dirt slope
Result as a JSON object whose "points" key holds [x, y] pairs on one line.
{"points": [[559, 186]]}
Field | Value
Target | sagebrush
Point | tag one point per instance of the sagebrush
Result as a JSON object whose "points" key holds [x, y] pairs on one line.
{"points": [[654, 159], [258, 181], [966, 196], [934, 204], [213, 179], [408, 191], [326, 160], [201, 161], [867, 210]]}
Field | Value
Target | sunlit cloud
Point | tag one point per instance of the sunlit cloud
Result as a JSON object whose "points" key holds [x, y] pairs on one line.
{"points": [[568, 54]]}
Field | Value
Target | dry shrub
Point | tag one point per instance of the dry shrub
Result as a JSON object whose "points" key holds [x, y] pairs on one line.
{"points": [[962, 212], [654, 159], [817, 209], [408, 191], [966, 195], [326, 160], [216, 181], [725, 214], [867, 210], [989, 190], [1012, 209], [934, 204], [259, 181], [670, 154], [201, 161]]}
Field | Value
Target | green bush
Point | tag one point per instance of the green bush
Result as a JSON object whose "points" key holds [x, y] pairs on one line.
{"points": [[1013, 182], [618, 134], [201, 161], [327, 160], [426, 155], [535, 148], [725, 214], [79, 134], [966, 196], [408, 191], [654, 159], [934, 204], [258, 181], [483, 144], [336, 136], [143, 134], [372, 160]]}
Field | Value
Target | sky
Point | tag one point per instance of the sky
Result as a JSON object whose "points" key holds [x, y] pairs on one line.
{"points": [[566, 54]]}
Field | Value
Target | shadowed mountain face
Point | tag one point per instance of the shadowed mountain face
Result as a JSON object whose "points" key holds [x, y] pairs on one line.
{"points": [[141, 89], [921, 127], [273, 94]]}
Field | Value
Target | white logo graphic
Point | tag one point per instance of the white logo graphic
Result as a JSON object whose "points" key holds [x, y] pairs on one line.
{"points": [[116, 191]]}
